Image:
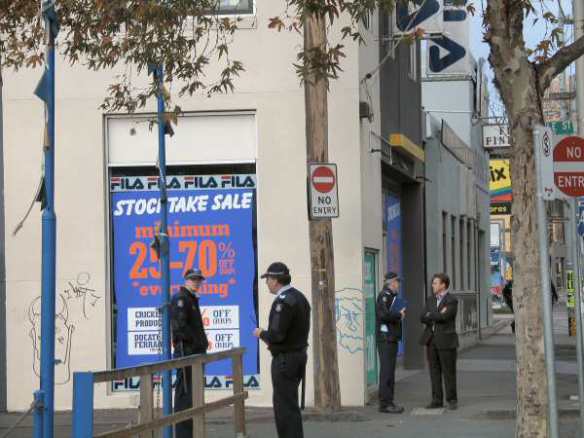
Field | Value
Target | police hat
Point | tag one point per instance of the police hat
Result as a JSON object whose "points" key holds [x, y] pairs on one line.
{"points": [[194, 274], [391, 276], [276, 269]]}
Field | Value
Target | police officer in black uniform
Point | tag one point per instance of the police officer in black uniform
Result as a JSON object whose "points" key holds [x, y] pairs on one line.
{"points": [[287, 340], [188, 337], [388, 330]]}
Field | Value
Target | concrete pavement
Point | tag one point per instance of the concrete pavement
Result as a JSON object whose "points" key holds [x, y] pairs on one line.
{"points": [[486, 397]]}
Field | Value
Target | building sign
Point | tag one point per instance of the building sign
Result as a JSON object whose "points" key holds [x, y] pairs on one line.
{"points": [[448, 54], [323, 188], [210, 228], [419, 14], [393, 222], [565, 127], [569, 166], [500, 187], [496, 136]]}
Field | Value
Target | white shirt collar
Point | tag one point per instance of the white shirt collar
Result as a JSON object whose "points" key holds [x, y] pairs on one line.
{"points": [[283, 289]]}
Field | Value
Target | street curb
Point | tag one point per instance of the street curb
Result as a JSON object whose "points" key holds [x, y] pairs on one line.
{"points": [[510, 414]]}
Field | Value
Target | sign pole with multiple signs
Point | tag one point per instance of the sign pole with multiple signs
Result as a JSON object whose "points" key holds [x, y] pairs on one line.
{"points": [[540, 134], [569, 178]]}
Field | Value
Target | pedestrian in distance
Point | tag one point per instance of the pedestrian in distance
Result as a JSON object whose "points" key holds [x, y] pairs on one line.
{"points": [[287, 340], [188, 338], [441, 341], [508, 298], [389, 312]]}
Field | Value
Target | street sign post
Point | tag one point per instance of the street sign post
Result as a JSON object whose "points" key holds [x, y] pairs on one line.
{"points": [[323, 191], [569, 166], [569, 178], [539, 146]]}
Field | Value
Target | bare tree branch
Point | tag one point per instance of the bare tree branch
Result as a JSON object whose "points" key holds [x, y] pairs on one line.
{"points": [[548, 70]]}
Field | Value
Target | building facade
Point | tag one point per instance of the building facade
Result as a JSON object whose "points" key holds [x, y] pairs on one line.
{"points": [[238, 201]]}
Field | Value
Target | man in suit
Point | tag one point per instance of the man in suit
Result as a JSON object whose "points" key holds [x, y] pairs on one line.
{"points": [[441, 341], [388, 332]]}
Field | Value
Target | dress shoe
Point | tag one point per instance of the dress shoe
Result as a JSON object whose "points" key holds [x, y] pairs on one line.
{"points": [[391, 409], [435, 405], [453, 406]]}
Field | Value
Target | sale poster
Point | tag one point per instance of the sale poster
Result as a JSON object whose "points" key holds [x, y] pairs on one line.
{"points": [[210, 227]]}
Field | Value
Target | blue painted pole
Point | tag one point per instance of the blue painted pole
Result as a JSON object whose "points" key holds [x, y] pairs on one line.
{"points": [[164, 252], [49, 221], [38, 414], [82, 405]]}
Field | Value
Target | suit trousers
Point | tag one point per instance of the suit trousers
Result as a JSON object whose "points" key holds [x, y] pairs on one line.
{"points": [[442, 365], [287, 371], [387, 359]]}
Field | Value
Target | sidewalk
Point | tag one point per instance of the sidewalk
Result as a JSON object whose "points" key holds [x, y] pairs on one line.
{"points": [[486, 382]]}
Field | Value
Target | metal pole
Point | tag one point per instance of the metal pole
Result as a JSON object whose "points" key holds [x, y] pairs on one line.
{"points": [[576, 258], [49, 247], [164, 251], [546, 291], [578, 7]]}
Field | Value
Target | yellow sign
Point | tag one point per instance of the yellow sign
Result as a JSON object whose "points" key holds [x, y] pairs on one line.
{"points": [[500, 177]]}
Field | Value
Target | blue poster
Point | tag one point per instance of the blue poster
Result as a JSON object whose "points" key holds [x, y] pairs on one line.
{"points": [[393, 221], [210, 227]]}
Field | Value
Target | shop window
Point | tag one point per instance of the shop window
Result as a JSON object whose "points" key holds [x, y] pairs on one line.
{"points": [[469, 255], [453, 278], [461, 254], [444, 242], [236, 7]]}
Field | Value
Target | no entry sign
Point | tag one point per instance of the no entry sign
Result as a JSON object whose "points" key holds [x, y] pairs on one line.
{"points": [[569, 166], [323, 191]]}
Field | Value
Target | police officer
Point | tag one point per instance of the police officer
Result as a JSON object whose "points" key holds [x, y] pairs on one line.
{"points": [[287, 340], [188, 337], [388, 333]]}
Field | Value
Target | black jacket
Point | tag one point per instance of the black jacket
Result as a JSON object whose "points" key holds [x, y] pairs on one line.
{"points": [[387, 316], [188, 333], [289, 323], [440, 323]]}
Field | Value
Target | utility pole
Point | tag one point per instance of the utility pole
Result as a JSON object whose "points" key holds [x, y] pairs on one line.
{"points": [[578, 8], [44, 398], [327, 394], [158, 75]]}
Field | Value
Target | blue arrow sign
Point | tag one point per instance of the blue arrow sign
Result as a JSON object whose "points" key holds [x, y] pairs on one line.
{"points": [[456, 52], [407, 22]]}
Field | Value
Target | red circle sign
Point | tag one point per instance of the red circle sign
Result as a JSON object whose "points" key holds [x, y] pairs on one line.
{"points": [[323, 179], [569, 166]]}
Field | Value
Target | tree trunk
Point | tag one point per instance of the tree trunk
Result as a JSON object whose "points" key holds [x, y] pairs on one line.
{"points": [[532, 388], [517, 81], [326, 369]]}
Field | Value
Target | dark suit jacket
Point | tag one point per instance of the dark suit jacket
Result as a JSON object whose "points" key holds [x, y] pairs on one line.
{"points": [[440, 323]]}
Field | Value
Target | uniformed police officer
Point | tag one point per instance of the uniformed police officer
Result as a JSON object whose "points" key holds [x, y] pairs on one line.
{"points": [[287, 340], [188, 337], [388, 333]]}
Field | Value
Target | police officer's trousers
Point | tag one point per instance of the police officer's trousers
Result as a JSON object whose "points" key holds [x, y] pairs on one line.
{"points": [[287, 371], [387, 359], [183, 399]]}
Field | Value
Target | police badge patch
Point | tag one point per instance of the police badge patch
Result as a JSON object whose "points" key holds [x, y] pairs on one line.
{"points": [[385, 299], [278, 307], [180, 303]]}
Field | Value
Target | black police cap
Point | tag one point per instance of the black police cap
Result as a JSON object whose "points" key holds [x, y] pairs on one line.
{"points": [[391, 276], [276, 269], [194, 274]]}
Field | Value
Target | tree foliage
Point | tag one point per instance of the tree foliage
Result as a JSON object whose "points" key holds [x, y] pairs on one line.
{"points": [[184, 36]]}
